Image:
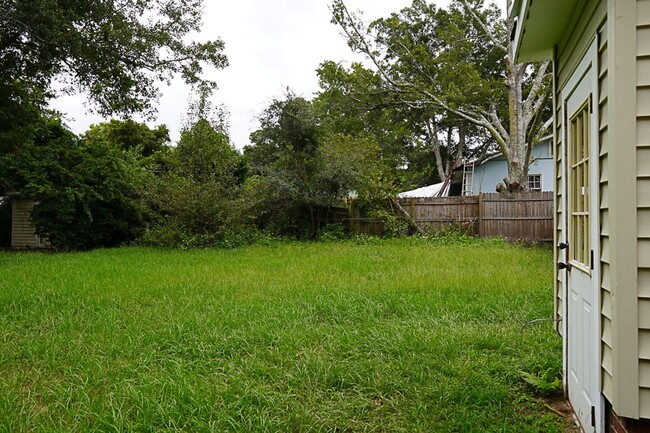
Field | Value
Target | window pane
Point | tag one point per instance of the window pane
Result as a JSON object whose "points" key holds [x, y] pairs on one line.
{"points": [[578, 153]]}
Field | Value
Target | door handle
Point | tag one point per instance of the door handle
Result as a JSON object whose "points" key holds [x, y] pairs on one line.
{"points": [[562, 266], [563, 246]]}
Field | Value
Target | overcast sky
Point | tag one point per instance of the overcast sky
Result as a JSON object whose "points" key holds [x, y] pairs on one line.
{"points": [[271, 45]]}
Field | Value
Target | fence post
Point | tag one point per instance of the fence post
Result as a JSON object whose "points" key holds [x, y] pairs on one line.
{"points": [[413, 208], [481, 214]]}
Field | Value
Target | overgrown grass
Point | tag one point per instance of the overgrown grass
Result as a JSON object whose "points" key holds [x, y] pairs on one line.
{"points": [[395, 336]]}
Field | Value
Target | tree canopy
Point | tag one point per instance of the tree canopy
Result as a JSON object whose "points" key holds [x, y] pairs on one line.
{"points": [[458, 63], [115, 50], [306, 166], [130, 135]]}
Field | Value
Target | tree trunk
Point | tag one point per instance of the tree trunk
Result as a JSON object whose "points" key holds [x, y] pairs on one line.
{"points": [[516, 153], [432, 133]]}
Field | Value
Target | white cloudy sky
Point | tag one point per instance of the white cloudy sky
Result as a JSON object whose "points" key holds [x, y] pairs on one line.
{"points": [[271, 45]]}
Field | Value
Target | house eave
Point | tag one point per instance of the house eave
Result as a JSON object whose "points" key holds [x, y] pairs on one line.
{"points": [[539, 27]]}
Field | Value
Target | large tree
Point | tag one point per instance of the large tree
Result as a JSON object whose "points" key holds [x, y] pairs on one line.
{"points": [[305, 167], [461, 61], [116, 51], [426, 140]]}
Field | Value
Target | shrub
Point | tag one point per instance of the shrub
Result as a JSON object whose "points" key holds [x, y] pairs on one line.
{"points": [[87, 192]]}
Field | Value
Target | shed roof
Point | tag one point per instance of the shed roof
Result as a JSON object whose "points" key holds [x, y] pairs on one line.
{"points": [[540, 24]]}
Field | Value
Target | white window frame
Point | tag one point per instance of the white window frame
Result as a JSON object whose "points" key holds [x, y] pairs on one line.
{"points": [[528, 182]]}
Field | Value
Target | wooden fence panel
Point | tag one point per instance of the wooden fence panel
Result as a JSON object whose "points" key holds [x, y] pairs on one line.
{"points": [[513, 216], [518, 216], [432, 214]]}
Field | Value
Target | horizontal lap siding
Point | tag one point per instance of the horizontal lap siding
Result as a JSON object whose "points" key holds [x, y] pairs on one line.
{"points": [[22, 231], [559, 236], [603, 169], [643, 199]]}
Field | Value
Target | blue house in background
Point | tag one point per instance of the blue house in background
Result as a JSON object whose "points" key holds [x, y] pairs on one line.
{"points": [[482, 176], [477, 177]]}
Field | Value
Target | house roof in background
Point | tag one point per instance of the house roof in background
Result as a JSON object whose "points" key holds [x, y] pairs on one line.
{"points": [[427, 191]]}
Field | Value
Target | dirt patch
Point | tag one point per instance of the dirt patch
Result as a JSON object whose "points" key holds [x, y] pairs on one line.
{"points": [[561, 407]]}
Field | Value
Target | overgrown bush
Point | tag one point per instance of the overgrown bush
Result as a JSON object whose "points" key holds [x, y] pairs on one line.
{"points": [[333, 232], [187, 213], [197, 200], [87, 192]]}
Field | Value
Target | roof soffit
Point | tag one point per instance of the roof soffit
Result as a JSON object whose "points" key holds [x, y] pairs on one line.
{"points": [[540, 25]]}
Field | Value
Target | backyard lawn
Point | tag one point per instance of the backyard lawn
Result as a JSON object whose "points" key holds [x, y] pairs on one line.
{"points": [[386, 336]]}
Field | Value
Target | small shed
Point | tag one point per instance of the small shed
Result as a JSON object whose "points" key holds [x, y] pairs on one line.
{"points": [[23, 235], [600, 51]]}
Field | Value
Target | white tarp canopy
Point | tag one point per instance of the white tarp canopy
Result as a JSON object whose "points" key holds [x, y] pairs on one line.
{"points": [[427, 191]]}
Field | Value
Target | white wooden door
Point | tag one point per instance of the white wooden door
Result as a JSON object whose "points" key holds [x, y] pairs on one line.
{"points": [[580, 195]]}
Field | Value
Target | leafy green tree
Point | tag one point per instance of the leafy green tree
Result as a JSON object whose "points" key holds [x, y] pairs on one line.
{"points": [[353, 102], [194, 200], [420, 143], [304, 167], [115, 50], [284, 154], [205, 154], [87, 193], [459, 61], [129, 135]]}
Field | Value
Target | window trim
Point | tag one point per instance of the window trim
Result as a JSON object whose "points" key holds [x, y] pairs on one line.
{"points": [[541, 183]]}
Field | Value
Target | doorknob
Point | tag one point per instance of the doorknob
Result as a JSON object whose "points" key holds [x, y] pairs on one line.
{"points": [[562, 265], [563, 246]]}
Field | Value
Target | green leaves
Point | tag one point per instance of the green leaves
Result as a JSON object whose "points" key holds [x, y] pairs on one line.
{"points": [[204, 154], [117, 51], [87, 192], [307, 161], [194, 200], [458, 64], [129, 135]]}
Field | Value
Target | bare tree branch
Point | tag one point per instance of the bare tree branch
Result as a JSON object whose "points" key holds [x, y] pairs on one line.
{"points": [[535, 127], [494, 119], [531, 103]]}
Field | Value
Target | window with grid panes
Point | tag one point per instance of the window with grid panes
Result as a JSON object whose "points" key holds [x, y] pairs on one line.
{"points": [[534, 182], [579, 184]]}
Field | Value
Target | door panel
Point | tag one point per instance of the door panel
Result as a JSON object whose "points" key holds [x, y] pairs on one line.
{"points": [[580, 195]]}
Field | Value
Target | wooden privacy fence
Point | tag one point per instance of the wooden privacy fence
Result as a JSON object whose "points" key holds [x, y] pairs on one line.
{"points": [[512, 216]]}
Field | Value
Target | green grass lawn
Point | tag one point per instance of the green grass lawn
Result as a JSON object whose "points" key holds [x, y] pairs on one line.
{"points": [[393, 336]]}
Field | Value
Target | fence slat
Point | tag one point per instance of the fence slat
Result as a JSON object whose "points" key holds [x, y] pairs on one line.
{"points": [[513, 216]]}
